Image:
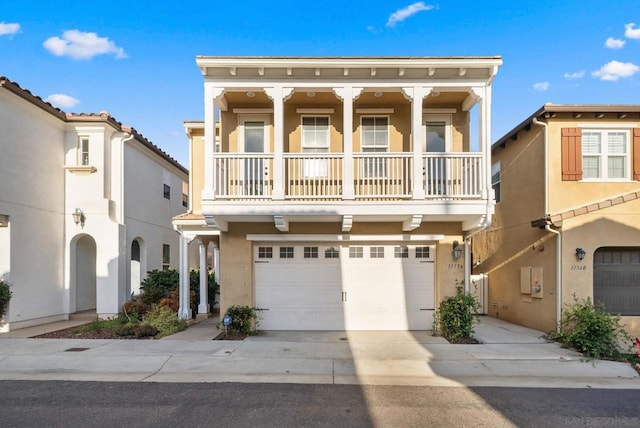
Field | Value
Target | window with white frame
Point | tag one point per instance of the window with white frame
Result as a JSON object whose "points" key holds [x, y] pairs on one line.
{"points": [[315, 139], [401, 252], [376, 252], [495, 180], [310, 252], [83, 151], [374, 139], [605, 154], [286, 252], [356, 252]]}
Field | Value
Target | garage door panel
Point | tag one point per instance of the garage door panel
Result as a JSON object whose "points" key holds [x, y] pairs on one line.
{"points": [[368, 293]]}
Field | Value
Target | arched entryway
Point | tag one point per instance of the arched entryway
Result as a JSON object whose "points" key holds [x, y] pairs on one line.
{"points": [[85, 273], [137, 267]]}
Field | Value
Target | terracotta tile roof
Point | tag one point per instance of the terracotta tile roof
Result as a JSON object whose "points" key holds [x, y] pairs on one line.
{"points": [[558, 218], [189, 216], [103, 116], [550, 110]]}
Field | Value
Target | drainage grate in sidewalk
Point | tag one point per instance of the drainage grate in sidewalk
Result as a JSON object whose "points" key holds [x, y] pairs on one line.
{"points": [[76, 349]]}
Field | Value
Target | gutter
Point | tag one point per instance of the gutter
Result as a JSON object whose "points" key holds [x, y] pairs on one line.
{"points": [[548, 225]]}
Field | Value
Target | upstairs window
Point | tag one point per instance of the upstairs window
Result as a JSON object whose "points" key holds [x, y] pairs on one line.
{"points": [[185, 200], [495, 180], [605, 154], [375, 139], [167, 191], [315, 139], [83, 151]]}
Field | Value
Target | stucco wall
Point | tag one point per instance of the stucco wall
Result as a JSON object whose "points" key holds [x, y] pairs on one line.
{"points": [[32, 195], [571, 194], [511, 243]]}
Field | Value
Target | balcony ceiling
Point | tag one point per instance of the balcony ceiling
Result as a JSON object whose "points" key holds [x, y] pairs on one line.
{"points": [[328, 98]]}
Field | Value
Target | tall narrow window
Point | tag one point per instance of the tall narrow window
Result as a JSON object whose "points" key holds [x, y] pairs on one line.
{"points": [[83, 150], [605, 154], [167, 191], [166, 256], [375, 139], [495, 180], [315, 139]]}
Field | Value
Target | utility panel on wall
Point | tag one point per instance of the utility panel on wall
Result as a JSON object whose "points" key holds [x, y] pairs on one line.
{"points": [[531, 281]]}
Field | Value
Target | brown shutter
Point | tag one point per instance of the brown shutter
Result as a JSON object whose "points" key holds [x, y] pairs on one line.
{"points": [[636, 153], [571, 154]]}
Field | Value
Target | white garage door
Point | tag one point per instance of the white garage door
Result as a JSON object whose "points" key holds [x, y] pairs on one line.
{"points": [[322, 286]]}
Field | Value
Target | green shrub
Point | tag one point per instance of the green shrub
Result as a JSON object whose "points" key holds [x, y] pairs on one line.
{"points": [[165, 320], [589, 329], [159, 284], [128, 329], [108, 324], [456, 316], [244, 320], [5, 296]]}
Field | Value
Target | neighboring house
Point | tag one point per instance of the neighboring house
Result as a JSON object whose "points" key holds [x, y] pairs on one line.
{"points": [[340, 190], [567, 220], [85, 209]]}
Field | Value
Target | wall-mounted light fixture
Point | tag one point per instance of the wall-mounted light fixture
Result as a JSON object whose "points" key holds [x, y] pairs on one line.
{"points": [[457, 250], [78, 217], [251, 94], [580, 253]]}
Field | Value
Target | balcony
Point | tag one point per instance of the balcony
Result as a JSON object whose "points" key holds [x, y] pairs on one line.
{"points": [[322, 177]]}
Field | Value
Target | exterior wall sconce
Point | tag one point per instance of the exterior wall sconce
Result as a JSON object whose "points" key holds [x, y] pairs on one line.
{"points": [[580, 253], [78, 217], [457, 250]]}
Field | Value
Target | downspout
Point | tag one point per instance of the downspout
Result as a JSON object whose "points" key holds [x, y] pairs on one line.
{"points": [[548, 228]]}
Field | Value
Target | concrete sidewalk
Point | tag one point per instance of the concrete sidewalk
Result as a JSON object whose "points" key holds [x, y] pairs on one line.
{"points": [[509, 355]]}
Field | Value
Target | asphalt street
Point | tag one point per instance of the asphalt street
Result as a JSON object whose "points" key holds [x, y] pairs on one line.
{"points": [[106, 404]]}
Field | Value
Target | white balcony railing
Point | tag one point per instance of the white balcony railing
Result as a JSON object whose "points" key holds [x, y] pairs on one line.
{"points": [[382, 175], [243, 175], [313, 175], [317, 176], [452, 175]]}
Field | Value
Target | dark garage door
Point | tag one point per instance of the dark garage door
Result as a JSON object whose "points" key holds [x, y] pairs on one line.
{"points": [[616, 279]]}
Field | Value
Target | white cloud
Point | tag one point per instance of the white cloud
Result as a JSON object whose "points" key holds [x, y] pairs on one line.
{"points": [[612, 43], [630, 32], [574, 75], [80, 45], [62, 100], [541, 86], [9, 28], [614, 70], [406, 12]]}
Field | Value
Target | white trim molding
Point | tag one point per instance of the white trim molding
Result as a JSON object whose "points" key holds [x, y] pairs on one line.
{"points": [[315, 110], [375, 110], [253, 110]]}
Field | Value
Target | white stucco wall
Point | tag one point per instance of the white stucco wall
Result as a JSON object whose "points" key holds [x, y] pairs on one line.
{"points": [[32, 195], [147, 212]]}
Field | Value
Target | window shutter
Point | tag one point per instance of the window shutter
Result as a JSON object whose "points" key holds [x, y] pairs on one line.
{"points": [[636, 153], [571, 154]]}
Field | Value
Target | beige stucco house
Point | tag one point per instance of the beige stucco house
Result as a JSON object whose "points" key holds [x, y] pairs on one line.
{"points": [[85, 209], [339, 191], [567, 218]]}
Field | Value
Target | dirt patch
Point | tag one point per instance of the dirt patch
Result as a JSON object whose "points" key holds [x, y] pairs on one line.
{"points": [[465, 341], [72, 333], [230, 336]]}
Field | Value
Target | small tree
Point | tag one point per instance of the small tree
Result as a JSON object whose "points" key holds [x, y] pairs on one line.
{"points": [[5, 296], [457, 316]]}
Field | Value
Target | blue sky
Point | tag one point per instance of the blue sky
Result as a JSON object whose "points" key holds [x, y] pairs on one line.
{"points": [[137, 59]]}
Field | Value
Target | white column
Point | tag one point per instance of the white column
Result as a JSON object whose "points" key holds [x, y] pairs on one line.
{"points": [[416, 94], [209, 141], [277, 95], [203, 307], [184, 309], [348, 94], [216, 264]]}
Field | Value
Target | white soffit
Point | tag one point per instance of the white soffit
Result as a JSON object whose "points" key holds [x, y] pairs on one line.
{"points": [[344, 238]]}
